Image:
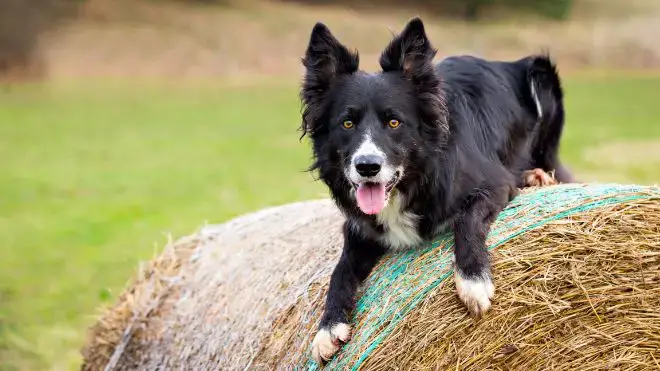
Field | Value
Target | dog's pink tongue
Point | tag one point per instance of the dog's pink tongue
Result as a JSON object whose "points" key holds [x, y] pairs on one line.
{"points": [[371, 197]]}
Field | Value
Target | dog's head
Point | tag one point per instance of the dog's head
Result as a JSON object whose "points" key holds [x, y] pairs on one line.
{"points": [[371, 131]]}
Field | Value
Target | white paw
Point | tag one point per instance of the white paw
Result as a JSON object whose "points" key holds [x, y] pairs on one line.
{"points": [[475, 292], [326, 343]]}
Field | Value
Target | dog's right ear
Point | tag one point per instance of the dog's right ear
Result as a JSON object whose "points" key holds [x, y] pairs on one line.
{"points": [[411, 54], [325, 60]]}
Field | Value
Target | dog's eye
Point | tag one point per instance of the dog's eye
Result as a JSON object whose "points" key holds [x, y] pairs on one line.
{"points": [[348, 124], [394, 123]]}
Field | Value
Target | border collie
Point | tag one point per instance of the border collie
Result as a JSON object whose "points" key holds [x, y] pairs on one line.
{"points": [[418, 149]]}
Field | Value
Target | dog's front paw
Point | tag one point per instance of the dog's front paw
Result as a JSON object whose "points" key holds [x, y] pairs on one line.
{"points": [[328, 341], [475, 292]]}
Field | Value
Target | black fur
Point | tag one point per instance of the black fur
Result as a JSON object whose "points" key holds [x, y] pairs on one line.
{"points": [[469, 127]]}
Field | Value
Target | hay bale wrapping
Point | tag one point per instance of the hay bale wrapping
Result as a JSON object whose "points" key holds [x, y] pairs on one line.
{"points": [[576, 268]]}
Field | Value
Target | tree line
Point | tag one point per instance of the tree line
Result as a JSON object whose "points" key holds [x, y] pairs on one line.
{"points": [[23, 21]]}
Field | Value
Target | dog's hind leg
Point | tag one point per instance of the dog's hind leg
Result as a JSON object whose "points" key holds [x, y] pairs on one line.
{"points": [[538, 178]]}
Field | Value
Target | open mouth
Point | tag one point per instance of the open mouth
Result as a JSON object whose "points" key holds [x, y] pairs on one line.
{"points": [[372, 197]]}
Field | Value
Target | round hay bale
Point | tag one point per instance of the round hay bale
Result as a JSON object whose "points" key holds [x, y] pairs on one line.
{"points": [[576, 268]]}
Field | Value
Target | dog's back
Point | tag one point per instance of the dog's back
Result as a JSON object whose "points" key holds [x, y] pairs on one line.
{"points": [[513, 110]]}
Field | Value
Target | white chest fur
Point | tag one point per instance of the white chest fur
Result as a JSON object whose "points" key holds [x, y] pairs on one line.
{"points": [[400, 226]]}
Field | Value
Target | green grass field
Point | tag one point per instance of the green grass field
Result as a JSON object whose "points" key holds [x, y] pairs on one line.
{"points": [[95, 175]]}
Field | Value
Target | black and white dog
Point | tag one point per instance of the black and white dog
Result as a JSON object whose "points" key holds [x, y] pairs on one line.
{"points": [[419, 148]]}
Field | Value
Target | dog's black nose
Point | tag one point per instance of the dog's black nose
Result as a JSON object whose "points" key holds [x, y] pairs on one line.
{"points": [[368, 165]]}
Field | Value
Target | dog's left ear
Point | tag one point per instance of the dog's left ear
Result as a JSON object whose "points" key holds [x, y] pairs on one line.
{"points": [[326, 59], [410, 52]]}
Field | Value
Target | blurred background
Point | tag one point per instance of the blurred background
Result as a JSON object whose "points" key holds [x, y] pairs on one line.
{"points": [[125, 122]]}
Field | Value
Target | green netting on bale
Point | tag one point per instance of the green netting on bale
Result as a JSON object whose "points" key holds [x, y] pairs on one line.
{"points": [[404, 279]]}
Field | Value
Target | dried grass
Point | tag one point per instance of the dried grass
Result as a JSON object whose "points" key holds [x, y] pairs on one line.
{"points": [[129, 38], [581, 292], [210, 297], [578, 294]]}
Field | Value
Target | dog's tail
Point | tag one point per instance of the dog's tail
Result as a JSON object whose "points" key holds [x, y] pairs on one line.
{"points": [[547, 97]]}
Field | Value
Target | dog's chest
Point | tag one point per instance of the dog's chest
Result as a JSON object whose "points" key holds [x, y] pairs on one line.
{"points": [[400, 227]]}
